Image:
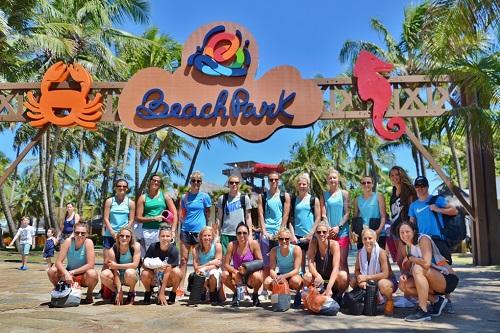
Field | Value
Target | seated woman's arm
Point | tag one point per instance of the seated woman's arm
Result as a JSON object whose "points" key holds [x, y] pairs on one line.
{"points": [[426, 249], [255, 247], [227, 259], [135, 260], [311, 254], [335, 249]]}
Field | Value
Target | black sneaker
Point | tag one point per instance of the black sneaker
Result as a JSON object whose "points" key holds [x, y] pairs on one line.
{"points": [[147, 297], [449, 307], [171, 298], [297, 300], [438, 306], [255, 299], [235, 301], [419, 315]]}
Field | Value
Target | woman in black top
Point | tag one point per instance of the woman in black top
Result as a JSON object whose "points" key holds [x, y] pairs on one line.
{"points": [[324, 264]]}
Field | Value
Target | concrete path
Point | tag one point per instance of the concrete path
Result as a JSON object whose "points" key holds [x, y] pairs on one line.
{"points": [[24, 296]]}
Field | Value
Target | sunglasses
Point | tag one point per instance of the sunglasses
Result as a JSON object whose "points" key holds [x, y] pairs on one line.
{"points": [[284, 239], [156, 181], [80, 233], [273, 180], [197, 181], [234, 183], [365, 183], [321, 232], [242, 233], [420, 186], [125, 236], [121, 186]]}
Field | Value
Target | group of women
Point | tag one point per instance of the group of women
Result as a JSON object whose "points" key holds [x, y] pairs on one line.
{"points": [[305, 229]]}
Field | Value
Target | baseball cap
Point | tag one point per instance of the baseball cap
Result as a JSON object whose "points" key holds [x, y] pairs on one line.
{"points": [[421, 180]]}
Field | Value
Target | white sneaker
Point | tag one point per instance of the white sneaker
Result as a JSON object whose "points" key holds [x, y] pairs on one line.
{"points": [[264, 296], [403, 302]]}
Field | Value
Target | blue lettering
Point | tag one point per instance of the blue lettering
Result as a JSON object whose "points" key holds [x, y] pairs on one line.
{"points": [[205, 111], [220, 105], [282, 104], [189, 111]]}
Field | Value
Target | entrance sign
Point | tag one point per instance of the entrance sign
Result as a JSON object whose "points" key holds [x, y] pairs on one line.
{"points": [[216, 91], [64, 107]]}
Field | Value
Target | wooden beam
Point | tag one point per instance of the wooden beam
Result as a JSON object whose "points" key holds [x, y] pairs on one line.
{"points": [[454, 189], [23, 153]]}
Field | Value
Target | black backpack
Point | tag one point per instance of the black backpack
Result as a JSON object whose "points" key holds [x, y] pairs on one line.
{"points": [[454, 229], [243, 205], [293, 199], [264, 201]]}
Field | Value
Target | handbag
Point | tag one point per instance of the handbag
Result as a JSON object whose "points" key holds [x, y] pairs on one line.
{"points": [[196, 287], [319, 304], [280, 297], [355, 301], [64, 296]]}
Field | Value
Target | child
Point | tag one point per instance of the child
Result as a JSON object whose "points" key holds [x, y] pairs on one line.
{"points": [[50, 245], [26, 235]]}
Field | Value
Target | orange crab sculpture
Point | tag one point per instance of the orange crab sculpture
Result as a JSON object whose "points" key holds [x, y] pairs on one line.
{"points": [[64, 107]]}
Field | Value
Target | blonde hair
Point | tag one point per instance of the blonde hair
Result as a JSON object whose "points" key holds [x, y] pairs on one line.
{"points": [[374, 234], [196, 174], [284, 230], [323, 223], [202, 231], [304, 176], [333, 170]]}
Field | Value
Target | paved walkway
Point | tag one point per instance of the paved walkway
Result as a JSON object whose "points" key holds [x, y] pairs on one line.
{"points": [[24, 296]]}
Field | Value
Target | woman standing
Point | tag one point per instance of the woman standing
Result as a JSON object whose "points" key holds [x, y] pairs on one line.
{"points": [[306, 215], [70, 219], [123, 263], [194, 216], [335, 208], [370, 206], [243, 250], [207, 261], [150, 207]]}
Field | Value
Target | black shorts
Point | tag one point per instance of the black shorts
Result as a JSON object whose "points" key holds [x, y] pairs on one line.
{"points": [[304, 244], [451, 283], [189, 238]]}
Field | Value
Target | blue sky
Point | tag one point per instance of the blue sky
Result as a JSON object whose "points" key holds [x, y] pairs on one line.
{"points": [[305, 34]]}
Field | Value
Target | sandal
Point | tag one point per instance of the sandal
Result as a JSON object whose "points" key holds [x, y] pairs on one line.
{"points": [[130, 297]]}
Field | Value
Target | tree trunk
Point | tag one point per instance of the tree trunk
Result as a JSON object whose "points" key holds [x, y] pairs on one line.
{"points": [[43, 180], [159, 153], [8, 215], [14, 179], [104, 187], [137, 166], [51, 168], [117, 153], [193, 162], [421, 160], [81, 196], [63, 180], [454, 155], [125, 154]]}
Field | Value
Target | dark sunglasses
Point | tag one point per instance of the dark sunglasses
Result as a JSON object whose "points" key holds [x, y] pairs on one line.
{"points": [[121, 186], [239, 233], [283, 239], [273, 180], [80, 233], [420, 185], [234, 183], [365, 183], [320, 232], [197, 181], [125, 236]]}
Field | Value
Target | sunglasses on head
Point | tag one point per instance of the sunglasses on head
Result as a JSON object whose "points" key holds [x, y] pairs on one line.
{"points": [[239, 233], [197, 181], [234, 183], [321, 232]]}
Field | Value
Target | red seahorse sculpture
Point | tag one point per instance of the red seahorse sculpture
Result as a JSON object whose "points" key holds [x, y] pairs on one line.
{"points": [[373, 86]]}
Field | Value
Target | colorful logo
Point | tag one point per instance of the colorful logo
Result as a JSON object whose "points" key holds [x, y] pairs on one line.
{"points": [[221, 54]]}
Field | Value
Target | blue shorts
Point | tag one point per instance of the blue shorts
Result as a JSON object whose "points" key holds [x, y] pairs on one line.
{"points": [[25, 249], [108, 242], [189, 238]]}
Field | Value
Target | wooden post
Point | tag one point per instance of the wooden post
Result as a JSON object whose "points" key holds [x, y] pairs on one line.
{"points": [[455, 190], [23, 153]]}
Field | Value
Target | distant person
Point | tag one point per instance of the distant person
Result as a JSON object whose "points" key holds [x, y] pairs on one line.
{"points": [[335, 208], [49, 247], [236, 277], [306, 212], [194, 216], [26, 236], [232, 208], [70, 219], [150, 207], [119, 212], [207, 261], [372, 263], [79, 252], [123, 266], [273, 207], [160, 268], [370, 206], [428, 276]]}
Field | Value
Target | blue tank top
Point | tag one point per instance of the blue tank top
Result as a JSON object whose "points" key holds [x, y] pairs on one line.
{"points": [[273, 213], [303, 216], [76, 258], [125, 258], [334, 204], [68, 225], [285, 264], [369, 209], [118, 215], [206, 257]]}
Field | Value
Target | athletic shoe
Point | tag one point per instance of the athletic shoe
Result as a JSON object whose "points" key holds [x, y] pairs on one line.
{"points": [[297, 300], [449, 308], [171, 297], [419, 315], [23, 268], [404, 302], [264, 296], [255, 299], [438, 306], [147, 297]]}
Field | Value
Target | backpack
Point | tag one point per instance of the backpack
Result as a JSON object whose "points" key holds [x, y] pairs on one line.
{"points": [[64, 296], [454, 229], [242, 203], [312, 203], [264, 201]]}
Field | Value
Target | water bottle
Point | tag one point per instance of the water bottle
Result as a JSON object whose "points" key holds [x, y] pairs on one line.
{"points": [[240, 292], [371, 298]]}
